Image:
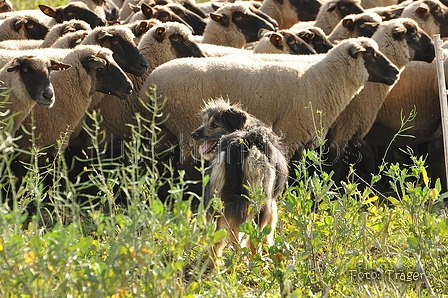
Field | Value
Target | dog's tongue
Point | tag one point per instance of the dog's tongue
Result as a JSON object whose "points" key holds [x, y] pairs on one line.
{"points": [[206, 146]]}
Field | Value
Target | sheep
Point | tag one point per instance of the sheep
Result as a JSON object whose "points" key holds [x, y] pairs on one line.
{"points": [[159, 12], [160, 44], [97, 6], [28, 78], [74, 10], [417, 89], [377, 3], [93, 70], [196, 21], [194, 7], [71, 40], [172, 12], [22, 27], [331, 13], [410, 93], [139, 28], [354, 25], [212, 50], [5, 6], [56, 54], [430, 15], [52, 36], [277, 93], [401, 40], [126, 9], [236, 24], [112, 12], [287, 12], [20, 44], [121, 41], [316, 38], [59, 30], [388, 12], [282, 41]]}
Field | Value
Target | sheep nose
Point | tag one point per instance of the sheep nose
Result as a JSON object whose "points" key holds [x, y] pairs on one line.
{"points": [[129, 89], [99, 22]]}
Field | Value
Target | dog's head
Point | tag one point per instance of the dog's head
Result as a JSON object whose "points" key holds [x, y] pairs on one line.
{"points": [[218, 118]]}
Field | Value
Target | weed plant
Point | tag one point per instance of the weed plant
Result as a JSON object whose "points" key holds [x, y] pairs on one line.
{"points": [[124, 240]]}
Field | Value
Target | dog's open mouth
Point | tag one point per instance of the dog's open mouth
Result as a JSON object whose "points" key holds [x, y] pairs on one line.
{"points": [[208, 146]]}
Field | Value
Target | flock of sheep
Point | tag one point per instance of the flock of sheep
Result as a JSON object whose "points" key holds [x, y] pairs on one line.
{"points": [[343, 70]]}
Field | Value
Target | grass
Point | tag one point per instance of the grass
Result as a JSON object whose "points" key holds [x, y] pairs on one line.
{"points": [[32, 4], [353, 243]]}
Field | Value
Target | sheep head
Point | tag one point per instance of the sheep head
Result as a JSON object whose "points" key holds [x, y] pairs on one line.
{"points": [[76, 10], [33, 28], [109, 78], [35, 75]]}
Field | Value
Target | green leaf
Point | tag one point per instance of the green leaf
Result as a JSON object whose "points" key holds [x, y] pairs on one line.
{"points": [[413, 243], [296, 294], [219, 235], [370, 200]]}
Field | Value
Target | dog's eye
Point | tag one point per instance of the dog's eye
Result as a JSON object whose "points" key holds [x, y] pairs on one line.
{"points": [[213, 125]]}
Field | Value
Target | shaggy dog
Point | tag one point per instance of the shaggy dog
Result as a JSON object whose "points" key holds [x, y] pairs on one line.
{"points": [[243, 153]]}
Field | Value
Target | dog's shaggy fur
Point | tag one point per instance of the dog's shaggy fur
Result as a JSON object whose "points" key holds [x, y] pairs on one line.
{"points": [[242, 152]]}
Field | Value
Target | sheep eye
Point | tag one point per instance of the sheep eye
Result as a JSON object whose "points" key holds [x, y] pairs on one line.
{"points": [[238, 17], [114, 42], [70, 14], [175, 38], [31, 26], [342, 7], [24, 69], [362, 26]]}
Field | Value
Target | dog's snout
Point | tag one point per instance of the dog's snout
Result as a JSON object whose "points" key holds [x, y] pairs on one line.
{"points": [[195, 135]]}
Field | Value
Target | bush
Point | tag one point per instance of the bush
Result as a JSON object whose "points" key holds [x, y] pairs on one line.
{"points": [[330, 241]]}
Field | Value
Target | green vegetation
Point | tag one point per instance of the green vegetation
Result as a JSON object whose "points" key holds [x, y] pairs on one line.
{"points": [[32, 4], [353, 243]]}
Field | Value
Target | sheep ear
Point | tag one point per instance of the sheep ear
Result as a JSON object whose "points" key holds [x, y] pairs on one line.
{"points": [[47, 10], [14, 65], [19, 23], [164, 16], [331, 7], [56, 65], [68, 29], [306, 35], [349, 23], [103, 34], [142, 27], [233, 119], [134, 8], [159, 34], [276, 39], [99, 2], [354, 50], [147, 11], [215, 6], [220, 18], [93, 62], [422, 11], [262, 32], [398, 32]]}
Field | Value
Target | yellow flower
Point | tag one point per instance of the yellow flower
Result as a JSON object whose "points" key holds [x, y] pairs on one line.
{"points": [[30, 257]]}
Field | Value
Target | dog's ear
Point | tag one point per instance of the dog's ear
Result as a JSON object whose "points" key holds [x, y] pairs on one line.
{"points": [[233, 119]]}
